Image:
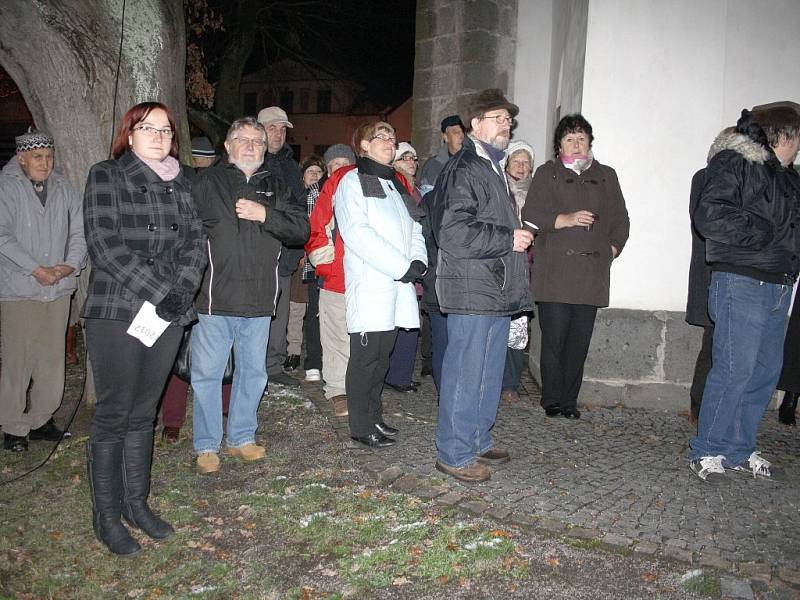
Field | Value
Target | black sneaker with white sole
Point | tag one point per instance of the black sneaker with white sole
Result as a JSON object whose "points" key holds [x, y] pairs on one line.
{"points": [[755, 465], [708, 465]]}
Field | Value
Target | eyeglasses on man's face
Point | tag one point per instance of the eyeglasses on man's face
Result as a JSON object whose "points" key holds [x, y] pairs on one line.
{"points": [[154, 132], [249, 142], [500, 119], [385, 137]]}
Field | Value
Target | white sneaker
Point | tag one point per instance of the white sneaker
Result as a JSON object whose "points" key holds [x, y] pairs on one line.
{"points": [[757, 465], [707, 465], [313, 375]]}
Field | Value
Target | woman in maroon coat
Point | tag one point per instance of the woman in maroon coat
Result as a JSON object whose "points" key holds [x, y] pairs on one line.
{"points": [[578, 207]]}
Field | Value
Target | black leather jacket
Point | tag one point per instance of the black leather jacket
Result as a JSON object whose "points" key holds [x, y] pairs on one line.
{"points": [[749, 213]]}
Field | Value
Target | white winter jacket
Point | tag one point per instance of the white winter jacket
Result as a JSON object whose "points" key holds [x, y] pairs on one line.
{"points": [[381, 240]]}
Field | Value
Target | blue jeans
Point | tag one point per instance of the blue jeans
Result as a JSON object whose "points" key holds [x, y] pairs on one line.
{"points": [[212, 339], [749, 317], [472, 375]]}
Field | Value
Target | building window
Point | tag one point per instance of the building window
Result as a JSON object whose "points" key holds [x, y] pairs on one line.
{"points": [[319, 149], [305, 93], [266, 98], [323, 101], [250, 103], [287, 101], [295, 151]]}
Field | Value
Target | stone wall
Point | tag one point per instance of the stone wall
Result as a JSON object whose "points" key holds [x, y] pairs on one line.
{"points": [[638, 358], [462, 46]]}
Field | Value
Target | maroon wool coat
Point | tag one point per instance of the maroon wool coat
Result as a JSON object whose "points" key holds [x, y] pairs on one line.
{"points": [[572, 265]]}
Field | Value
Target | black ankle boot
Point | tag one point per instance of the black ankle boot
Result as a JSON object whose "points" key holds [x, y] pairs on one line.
{"points": [[104, 464], [136, 457], [788, 406]]}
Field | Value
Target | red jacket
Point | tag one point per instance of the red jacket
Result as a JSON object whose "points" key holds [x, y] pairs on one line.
{"points": [[326, 257]]}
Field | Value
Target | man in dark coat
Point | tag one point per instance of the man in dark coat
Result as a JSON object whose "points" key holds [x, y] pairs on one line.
{"points": [[248, 214], [482, 279], [749, 212], [699, 280], [280, 161]]}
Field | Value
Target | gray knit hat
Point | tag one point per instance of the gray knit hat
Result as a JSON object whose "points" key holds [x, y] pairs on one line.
{"points": [[339, 151], [201, 147], [32, 140]]}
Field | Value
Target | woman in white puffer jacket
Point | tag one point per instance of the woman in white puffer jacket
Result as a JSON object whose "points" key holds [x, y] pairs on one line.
{"points": [[384, 254]]}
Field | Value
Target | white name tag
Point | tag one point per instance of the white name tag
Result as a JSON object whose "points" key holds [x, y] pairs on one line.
{"points": [[147, 326]]}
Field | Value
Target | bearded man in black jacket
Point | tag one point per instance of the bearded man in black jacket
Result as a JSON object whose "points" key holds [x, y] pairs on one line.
{"points": [[749, 215], [248, 214]]}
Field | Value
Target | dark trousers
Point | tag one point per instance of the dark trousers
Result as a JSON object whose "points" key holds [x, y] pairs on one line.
{"points": [[369, 361], [425, 338], [313, 358], [515, 360], [403, 357], [566, 334], [277, 344], [790, 374], [128, 377], [438, 345], [701, 368]]}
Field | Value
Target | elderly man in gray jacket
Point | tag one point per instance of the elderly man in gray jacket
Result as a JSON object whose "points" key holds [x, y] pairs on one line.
{"points": [[42, 250]]}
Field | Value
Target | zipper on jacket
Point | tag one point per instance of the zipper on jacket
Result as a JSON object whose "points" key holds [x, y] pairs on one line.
{"points": [[211, 274]]}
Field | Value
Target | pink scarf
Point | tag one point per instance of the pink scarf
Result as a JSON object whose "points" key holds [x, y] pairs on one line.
{"points": [[166, 169]]}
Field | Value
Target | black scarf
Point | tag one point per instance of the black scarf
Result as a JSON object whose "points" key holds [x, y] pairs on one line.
{"points": [[368, 166]]}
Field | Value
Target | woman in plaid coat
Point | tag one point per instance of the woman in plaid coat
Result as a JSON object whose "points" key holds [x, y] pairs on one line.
{"points": [[145, 242]]}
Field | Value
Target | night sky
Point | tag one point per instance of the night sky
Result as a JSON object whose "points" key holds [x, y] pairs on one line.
{"points": [[369, 41]]}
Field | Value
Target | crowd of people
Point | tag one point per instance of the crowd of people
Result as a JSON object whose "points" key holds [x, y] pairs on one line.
{"points": [[225, 276]]}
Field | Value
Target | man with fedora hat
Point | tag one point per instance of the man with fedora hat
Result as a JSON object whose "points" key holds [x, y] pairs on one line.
{"points": [[749, 215], [482, 279], [42, 250]]}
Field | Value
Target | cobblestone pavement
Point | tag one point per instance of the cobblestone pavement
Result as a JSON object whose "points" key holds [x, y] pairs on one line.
{"points": [[617, 475]]}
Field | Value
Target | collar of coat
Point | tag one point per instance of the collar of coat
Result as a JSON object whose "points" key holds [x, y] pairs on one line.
{"points": [[751, 151], [471, 145], [139, 173]]}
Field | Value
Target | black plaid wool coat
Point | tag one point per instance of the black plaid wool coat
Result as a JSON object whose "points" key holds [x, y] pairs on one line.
{"points": [[144, 238]]}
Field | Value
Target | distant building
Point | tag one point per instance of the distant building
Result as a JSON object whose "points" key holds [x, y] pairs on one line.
{"points": [[324, 108]]}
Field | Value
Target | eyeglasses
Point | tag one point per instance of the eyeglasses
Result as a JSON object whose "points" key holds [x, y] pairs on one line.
{"points": [[250, 142], [409, 158], [500, 119], [153, 132], [385, 137]]}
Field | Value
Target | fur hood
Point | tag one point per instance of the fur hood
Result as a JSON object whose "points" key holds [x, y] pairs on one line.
{"points": [[751, 151]]}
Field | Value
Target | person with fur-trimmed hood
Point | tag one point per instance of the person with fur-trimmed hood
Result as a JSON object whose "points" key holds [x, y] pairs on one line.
{"points": [[481, 280], [748, 214]]}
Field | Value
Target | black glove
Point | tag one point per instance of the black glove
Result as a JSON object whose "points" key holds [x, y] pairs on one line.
{"points": [[173, 306], [415, 271]]}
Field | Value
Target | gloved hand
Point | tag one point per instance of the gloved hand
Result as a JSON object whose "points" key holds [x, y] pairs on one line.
{"points": [[415, 271], [173, 306]]}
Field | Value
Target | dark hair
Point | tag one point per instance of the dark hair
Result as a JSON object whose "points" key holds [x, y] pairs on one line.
{"points": [[134, 116], [312, 161], [748, 126], [367, 132], [571, 124]]}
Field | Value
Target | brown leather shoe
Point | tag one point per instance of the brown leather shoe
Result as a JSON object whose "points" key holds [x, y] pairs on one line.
{"points": [[171, 435], [248, 452], [339, 405], [495, 456], [207, 462], [474, 473]]}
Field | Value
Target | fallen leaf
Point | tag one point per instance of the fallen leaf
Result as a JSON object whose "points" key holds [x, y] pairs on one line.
{"points": [[307, 592], [328, 573], [552, 560], [416, 550], [56, 535], [400, 581], [649, 576], [443, 579], [452, 546], [500, 533]]}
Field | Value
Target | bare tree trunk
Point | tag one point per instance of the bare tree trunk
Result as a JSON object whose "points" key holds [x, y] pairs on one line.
{"points": [[63, 56]]}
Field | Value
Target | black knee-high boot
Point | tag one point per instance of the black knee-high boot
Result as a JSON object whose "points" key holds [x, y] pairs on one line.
{"points": [[786, 413], [136, 458], [104, 464]]}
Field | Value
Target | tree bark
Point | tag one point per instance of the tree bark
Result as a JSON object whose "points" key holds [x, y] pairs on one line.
{"points": [[63, 56]]}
